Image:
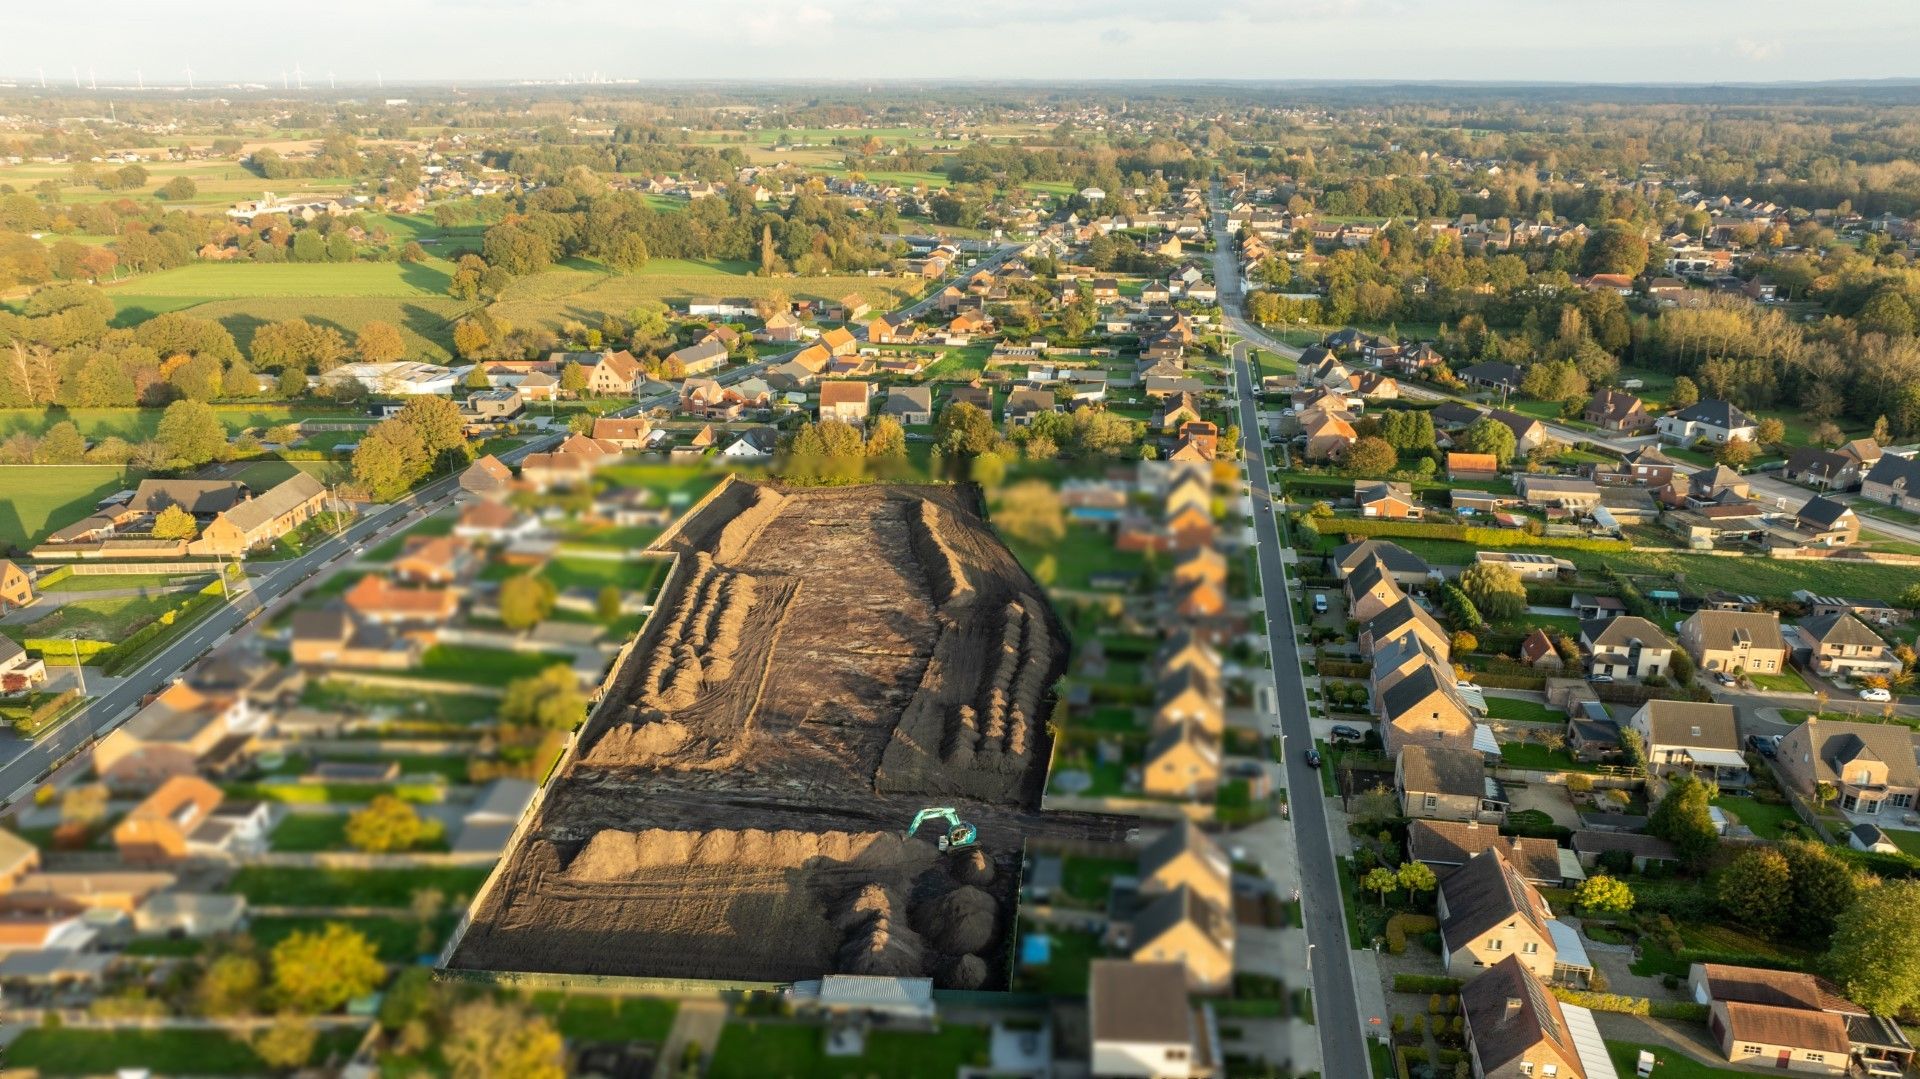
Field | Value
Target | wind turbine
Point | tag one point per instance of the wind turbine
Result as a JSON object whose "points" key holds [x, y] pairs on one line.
{"points": [[92, 84], [189, 76], [329, 80], [43, 78], [299, 80], [76, 78], [140, 77]]}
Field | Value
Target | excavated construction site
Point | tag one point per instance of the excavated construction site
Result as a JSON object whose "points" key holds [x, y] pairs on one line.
{"points": [[822, 664]]}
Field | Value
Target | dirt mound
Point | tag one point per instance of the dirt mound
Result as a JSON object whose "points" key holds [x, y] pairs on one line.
{"points": [[946, 575], [876, 941], [641, 743], [613, 855], [965, 972], [962, 921], [737, 535], [972, 867]]}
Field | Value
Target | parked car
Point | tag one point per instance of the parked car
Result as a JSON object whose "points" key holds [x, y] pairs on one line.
{"points": [[1761, 744], [1600, 678], [1313, 758], [1344, 733], [1879, 696], [1319, 603], [1726, 679]]}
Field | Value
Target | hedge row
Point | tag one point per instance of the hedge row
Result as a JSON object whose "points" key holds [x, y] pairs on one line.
{"points": [[1426, 983], [1504, 680], [1339, 668], [1630, 693], [1400, 926], [44, 714], [1603, 1002], [58, 651], [134, 648], [1492, 538]]}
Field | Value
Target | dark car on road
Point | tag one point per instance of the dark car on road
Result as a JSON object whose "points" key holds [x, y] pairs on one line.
{"points": [[1344, 733], [1313, 758], [1761, 744]]}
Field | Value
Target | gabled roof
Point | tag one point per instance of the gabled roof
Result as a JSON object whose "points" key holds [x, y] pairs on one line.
{"points": [[1436, 770], [1840, 628], [1509, 1012], [844, 393], [1397, 558], [1417, 686], [1182, 839], [1822, 512], [1621, 632], [294, 490], [1447, 844], [1692, 725], [198, 497], [1613, 404], [1794, 1028], [1128, 1002], [1183, 904], [1834, 743], [1896, 471], [1715, 413], [1486, 892], [1397, 618], [1725, 629]]}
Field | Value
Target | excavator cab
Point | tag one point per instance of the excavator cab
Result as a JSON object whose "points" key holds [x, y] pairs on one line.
{"points": [[959, 834]]}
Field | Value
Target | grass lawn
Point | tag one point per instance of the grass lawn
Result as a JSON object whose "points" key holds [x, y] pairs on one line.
{"points": [[1540, 758], [1071, 955], [1765, 819], [753, 1050], [605, 1018], [42, 498], [1090, 879], [451, 708], [1787, 681], [298, 886], [1673, 1064], [107, 582], [308, 832], [636, 575], [1907, 841], [484, 666], [227, 280], [425, 321], [165, 1052], [1083, 553], [396, 939], [103, 619], [1521, 711]]}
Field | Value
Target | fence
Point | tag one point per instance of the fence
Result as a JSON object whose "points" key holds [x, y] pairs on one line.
{"points": [[111, 569]]}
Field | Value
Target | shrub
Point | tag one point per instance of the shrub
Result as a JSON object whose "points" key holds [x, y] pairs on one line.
{"points": [[1426, 983], [1400, 925]]}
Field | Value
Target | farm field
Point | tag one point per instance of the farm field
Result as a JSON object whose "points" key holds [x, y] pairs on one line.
{"points": [[585, 292], [223, 280], [140, 424], [42, 498], [219, 182]]}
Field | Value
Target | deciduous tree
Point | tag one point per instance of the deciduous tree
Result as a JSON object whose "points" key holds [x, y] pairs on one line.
{"points": [[1875, 953], [174, 523], [550, 699], [318, 971]]}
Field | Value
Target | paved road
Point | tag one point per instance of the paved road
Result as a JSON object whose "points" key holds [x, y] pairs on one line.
{"points": [[269, 589], [1343, 1049]]}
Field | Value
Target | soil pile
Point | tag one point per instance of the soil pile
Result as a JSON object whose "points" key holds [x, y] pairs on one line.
{"points": [[963, 921], [613, 855]]}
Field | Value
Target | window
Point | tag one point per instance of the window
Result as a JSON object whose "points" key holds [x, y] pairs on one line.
{"points": [[1531, 947], [1548, 1071], [1526, 1067], [1901, 800], [1496, 944], [1816, 1058], [1432, 801], [1751, 1050]]}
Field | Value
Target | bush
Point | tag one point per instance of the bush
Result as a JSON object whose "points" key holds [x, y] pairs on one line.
{"points": [[1400, 925], [1490, 538], [1426, 983], [1603, 1002]]}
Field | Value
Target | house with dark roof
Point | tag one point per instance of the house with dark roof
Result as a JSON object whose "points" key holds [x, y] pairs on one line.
{"points": [[1817, 466], [1445, 845], [1407, 569], [1827, 522], [258, 522], [1370, 590], [1893, 481], [1184, 927], [1529, 434], [1402, 618], [1186, 857], [909, 404], [1492, 375], [1714, 420], [1626, 647], [1516, 1029], [1748, 641], [1488, 913], [1795, 1022]]}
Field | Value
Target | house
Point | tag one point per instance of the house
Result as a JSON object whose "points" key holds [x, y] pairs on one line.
{"points": [[108, 890], [1024, 403], [1444, 783], [1399, 620], [1407, 569], [627, 433], [1869, 766], [1185, 648], [1823, 468], [190, 914], [698, 359], [1795, 1022], [1370, 590], [201, 498], [1569, 493], [19, 671], [378, 600], [1327, 432], [1641, 851], [1489, 913], [1475, 467], [1529, 434], [1492, 375], [1182, 761], [1616, 410], [435, 560], [1592, 735], [1444, 846], [752, 444], [1390, 499], [258, 522], [16, 588], [1715, 420], [1527, 565], [1825, 522], [1141, 1026], [1841, 646], [493, 522], [1591, 608], [614, 374], [780, 327], [846, 402], [1424, 708], [909, 404], [538, 386], [1516, 1029], [334, 637], [18, 859], [1692, 736], [1626, 647], [1185, 928], [1872, 839], [1189, 694], [487, 477], [1735, 641], [1186, 857], [182, 731], [159, 829], [1873, 611], [1893, 480], [1537, 651], [1645, 466], [486, 409]]}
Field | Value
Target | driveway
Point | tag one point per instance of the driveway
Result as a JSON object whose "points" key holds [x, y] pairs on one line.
{"points": [[1548, 798]]}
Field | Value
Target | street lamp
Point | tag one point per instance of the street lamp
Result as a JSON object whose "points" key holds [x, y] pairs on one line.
{"points": [[79, 671]]}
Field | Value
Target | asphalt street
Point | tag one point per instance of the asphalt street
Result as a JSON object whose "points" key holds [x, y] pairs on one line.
{"points": [[1343, 1049]]}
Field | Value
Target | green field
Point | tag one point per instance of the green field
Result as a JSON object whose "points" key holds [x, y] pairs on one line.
{"points": [[41, 498], [786, 1051], [283, 886], [139, 424], [223, 280], [106, 619]]}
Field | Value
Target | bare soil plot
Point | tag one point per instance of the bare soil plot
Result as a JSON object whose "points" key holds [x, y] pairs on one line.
{"points": [[823, 664]]}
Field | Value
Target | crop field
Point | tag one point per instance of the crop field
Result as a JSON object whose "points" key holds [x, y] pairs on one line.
{"points": [[41, 498], [225, 280], [220, 182], [735, 809], [584, 292]]}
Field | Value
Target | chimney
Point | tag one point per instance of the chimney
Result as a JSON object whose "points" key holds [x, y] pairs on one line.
{"points": [[1513, 1008]]}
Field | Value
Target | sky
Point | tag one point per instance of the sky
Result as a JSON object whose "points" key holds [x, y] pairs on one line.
{"points": [[1687, 41]]}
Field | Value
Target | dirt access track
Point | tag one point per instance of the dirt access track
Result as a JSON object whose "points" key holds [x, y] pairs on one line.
{"points": [[823, 663]]}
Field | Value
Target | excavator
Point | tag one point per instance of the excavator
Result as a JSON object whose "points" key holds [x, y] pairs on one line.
{"points": [[959, 834]]}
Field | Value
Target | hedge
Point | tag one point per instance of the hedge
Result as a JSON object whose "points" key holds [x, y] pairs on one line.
{"points": [[1492, 538], [1501, 680], [52, 577], [44, 714], [1629, 693], [131, 650], [58, 651], [1337, 668], [1400, 925], [1426, 984], [1603, 1002]]}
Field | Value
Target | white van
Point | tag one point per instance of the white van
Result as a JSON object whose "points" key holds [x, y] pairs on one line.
{"points": [[1319, 603]]}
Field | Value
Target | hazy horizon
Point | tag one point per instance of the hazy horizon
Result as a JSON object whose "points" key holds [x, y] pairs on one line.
{"points": [[1646, 42]]}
